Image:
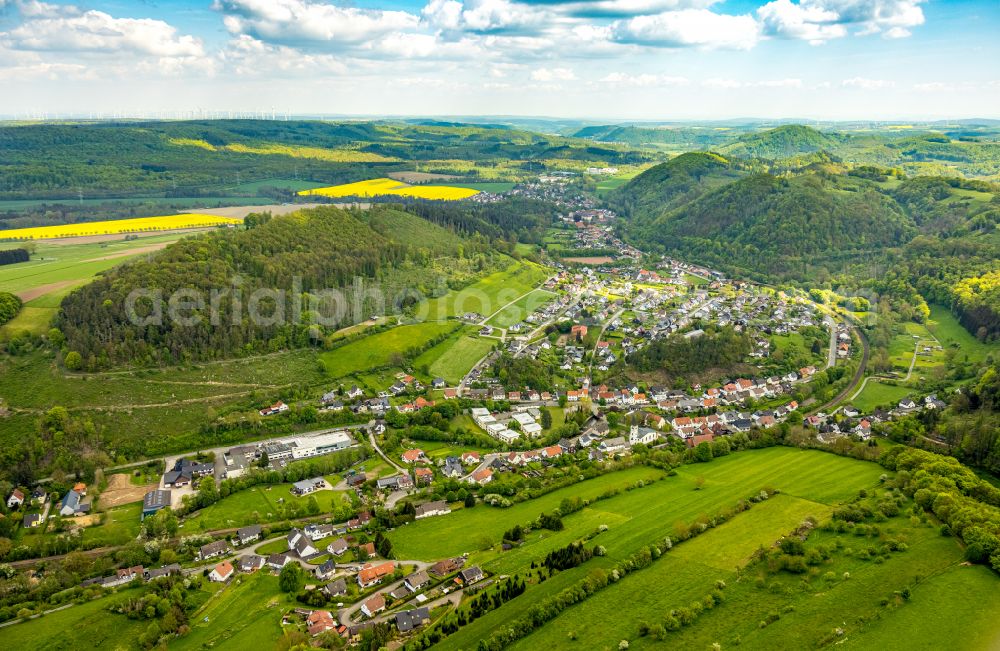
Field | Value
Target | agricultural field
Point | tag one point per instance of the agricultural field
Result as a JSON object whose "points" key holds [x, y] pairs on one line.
{"points": [[844, 592], [113, 227], [516, 312], [641, 516], [58, 267], [385, 186], [454, 357], [381, 349]]}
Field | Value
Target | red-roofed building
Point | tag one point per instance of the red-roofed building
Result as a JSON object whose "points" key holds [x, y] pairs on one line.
{"points": [[700, 438], [320, 621], [372, 574]]}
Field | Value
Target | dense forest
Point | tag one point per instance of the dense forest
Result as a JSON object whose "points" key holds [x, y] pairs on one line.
{"points": [[279, 268], [681, 358], [10, 305], [202, 158], [13, 256]]}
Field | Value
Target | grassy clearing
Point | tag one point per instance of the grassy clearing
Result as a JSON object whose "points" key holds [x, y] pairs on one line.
{"points": [[380, 349], [121, 525], [952, 334], [877, 394], [85, 626], [516, 312], [123, 404], [454, 357], [259, 504], [237, 616], [488, 294]]}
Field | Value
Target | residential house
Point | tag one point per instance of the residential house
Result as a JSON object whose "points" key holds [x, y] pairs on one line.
{"points": [[372, 574], [326, 570], [300, 543], [423, 476], [337, 588], [279, 560], [186, 471], [446, 567], [16, 499], [470, 575], [221, 572], [38, 496], [32, 520], [416, 580], [252, 563], [430, 509], [246, 535], [213, 549], [374, 604], [174, 569], [320, 621], [337, 547], [277, 408], [616, 445], [408, 620], [482, 476], [642, 435], [71, 505], [306, 486], [413, 456]]}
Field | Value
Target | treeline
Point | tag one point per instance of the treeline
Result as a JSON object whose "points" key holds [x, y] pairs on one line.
{"points": [[681, 357], [13, 256], [280, 269], [519, 218], [10, 305]]}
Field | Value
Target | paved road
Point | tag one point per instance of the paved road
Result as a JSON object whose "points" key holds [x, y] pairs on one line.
{"points": [[348, 613], [858, 375], [371, 439], [832, 358]]}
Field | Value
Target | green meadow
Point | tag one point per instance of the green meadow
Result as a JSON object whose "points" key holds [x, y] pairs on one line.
{"points": [[488, 294], [517, 311], [381, 349], [454, 357], [876, 394]]}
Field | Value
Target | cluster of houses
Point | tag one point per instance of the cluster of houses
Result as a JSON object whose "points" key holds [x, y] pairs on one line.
{"points": [[855, 423]]}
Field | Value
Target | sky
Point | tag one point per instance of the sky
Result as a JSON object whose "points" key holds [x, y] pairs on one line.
{"points": [[590, 59]]}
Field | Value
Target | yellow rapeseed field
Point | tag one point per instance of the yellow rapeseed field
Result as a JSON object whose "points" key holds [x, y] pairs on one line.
{"points": [[137, 225], [376, 187]]}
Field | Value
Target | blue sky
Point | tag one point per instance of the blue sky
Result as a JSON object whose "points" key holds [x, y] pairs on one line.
{"points": [[602, 59]]}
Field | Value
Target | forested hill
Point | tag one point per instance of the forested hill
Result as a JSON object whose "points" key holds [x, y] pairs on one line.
{"points": [[671, 184], [782, 142], [779, 227], [305, 252]]}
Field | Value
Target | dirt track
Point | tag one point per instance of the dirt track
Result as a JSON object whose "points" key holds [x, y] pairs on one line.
{"points": [[121, 254], [42, 290]]}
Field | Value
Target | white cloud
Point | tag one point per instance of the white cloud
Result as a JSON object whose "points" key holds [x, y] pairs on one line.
{"points": [[723, 83], [643, 80], [552, 74], [485, 16], [687, 28], [64, 28], [303, 22], [818, 21], [246, 55], [866, 84]]}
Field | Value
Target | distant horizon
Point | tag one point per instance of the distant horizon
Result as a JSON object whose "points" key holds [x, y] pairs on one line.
{"points": [[486, 118]]}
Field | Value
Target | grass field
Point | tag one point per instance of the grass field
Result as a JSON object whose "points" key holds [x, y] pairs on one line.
{"points": [[120, 526], [380, 349], [639, 517], [124, 403], [84, 626], [259, 504], [454, 357], [384, 186], [488, 294], [876, 394], [516, 312], [239, 615], [137, 225], [943, 325], [285, 184]]}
